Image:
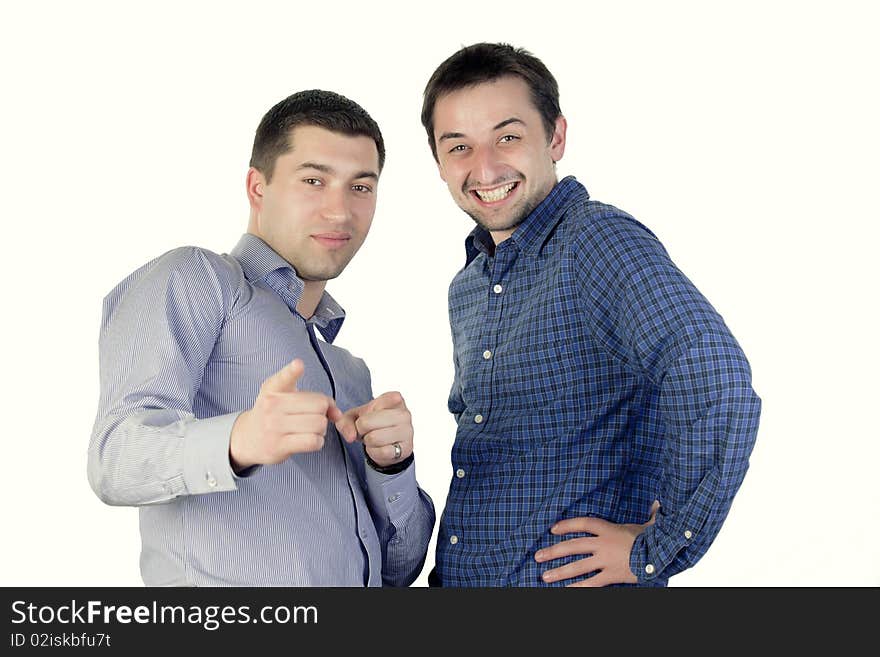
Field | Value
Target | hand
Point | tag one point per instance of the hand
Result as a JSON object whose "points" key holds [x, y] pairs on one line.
{"points": [[608, 551], [381, 423], [283, 421]]}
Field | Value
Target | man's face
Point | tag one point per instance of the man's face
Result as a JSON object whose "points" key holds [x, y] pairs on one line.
{"points": [[317, 210], [493, 152]]}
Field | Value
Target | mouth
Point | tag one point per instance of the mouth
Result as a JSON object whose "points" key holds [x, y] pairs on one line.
{"points": [[495, 195], [332, 240]]}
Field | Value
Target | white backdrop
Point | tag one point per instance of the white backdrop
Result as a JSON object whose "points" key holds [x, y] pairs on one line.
{"points": [[745, 137]]}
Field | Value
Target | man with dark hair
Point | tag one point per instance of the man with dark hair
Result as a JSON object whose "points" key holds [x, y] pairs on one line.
{"points": [[605, 412], [255, 450]]}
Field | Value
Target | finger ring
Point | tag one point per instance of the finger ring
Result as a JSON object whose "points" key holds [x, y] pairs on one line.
{"points": [[397, 451]]}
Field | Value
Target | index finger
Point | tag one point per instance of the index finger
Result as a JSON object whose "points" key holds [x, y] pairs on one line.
{"points": [[583, 524]]}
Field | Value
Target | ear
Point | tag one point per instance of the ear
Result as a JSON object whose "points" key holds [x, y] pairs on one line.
{"points": [[557, 141], [255, 182]]}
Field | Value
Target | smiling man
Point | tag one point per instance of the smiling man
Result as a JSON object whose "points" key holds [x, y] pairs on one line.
{"points": [[255, 450], [605, 412]]}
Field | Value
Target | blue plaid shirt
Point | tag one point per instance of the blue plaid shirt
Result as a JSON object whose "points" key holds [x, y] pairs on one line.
{"points": [[591, 378]]}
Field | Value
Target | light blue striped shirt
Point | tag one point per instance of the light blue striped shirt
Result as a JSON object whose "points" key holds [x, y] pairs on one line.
{"points": [[185, 343]]}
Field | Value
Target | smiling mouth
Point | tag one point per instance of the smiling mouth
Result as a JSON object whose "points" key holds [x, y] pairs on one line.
{"points": [[496, 194]]}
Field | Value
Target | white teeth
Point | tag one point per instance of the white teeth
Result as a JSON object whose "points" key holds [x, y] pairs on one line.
{"points": [[495, 194]]}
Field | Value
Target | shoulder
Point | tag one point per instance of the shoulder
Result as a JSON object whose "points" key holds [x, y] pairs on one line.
{"points": [[195, 264], [601, 238], [186, 272]]}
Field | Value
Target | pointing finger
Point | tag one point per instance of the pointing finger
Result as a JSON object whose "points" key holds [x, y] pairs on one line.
{"points": [[285, 379]]}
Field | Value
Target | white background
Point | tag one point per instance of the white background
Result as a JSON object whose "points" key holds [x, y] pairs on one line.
{"points": [[745, 137]]}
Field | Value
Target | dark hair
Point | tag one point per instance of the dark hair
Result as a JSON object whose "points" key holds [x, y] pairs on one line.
{"points": [[324, 109], [484, 62]]}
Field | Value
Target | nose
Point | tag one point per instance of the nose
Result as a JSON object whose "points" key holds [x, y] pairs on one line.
{"points": [[487, 167], [336, 205]]}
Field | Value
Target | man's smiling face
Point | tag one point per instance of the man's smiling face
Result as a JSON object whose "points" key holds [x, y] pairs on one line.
{"points": [[494, 153]]}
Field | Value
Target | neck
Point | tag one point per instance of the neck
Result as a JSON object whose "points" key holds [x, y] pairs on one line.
{"points": [[499, 236], [311, 296]]}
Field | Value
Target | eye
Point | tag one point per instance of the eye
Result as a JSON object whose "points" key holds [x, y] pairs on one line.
{"points": [[506, 139], [314, 182], [459, 148], [363, 189]]}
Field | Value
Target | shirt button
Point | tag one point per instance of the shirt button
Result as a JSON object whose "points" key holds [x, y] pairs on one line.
{"points": [[649, 569], [209, 478], [497, 289], [453, 539], [478, 419], [459, 473], [394, 498], [487, 354], [688, 534]]}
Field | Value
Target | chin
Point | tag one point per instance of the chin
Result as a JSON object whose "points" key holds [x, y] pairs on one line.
{"points": [[320, 276], [497, 224]]}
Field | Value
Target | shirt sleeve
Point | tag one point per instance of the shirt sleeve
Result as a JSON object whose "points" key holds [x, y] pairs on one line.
{"points": [[651, 317], [404, 517], [402, 513], [158, 330]]}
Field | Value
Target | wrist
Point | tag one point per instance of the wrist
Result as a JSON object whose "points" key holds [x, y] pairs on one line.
{"points": [[237, 459], [394, 468]]}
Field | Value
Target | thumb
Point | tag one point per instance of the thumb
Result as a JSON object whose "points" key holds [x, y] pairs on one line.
{"points": [[654, 508], [285, 379], [345, 424]]}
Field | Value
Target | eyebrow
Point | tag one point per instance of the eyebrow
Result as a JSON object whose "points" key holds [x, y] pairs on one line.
{"points": [[323, 168], [507, 122], [460, 135]]}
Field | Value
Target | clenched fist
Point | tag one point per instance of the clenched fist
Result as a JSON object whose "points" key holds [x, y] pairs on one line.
{"points": [[382, 423]]}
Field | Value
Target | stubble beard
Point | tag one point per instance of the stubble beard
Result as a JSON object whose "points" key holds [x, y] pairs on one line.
{"points": [[319, 269], [518, 214]]}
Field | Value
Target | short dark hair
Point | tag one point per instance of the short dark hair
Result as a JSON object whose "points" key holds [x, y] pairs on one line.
{"points": [[324, 109], [485, 62]]}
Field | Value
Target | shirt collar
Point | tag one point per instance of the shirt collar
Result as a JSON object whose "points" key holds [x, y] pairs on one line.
{"points": [[531, 234], [261, 263]]}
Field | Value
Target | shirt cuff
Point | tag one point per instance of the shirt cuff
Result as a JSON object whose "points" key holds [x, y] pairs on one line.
{"points": [[654, 549], [640, 562], [396, 494], [206, 467]]}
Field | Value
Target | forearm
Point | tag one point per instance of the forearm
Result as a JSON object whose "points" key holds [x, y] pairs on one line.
{"points": [[158, 330], [404, 518], [705, 464], [404, 549], [154, 455]]}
